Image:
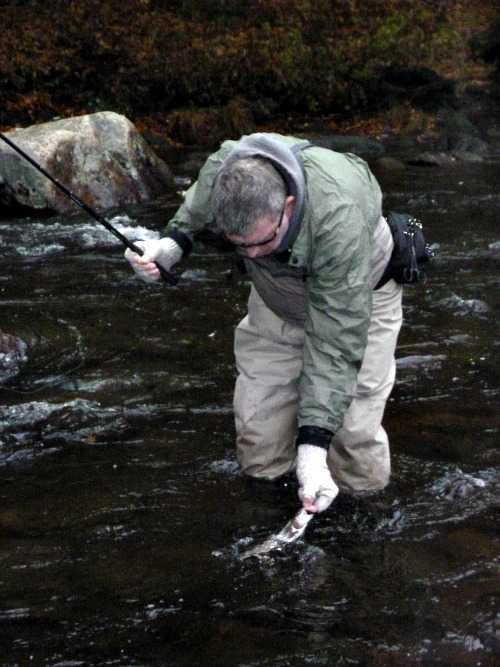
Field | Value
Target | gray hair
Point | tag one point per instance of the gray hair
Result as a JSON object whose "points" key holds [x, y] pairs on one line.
{"points": [[244, 192]]}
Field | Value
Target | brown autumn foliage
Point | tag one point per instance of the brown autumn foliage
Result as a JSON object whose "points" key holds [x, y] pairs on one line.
{"points": [[190, 65]]}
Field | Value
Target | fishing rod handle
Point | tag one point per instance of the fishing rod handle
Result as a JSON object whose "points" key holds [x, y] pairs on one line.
{"points": [[167, 276]]}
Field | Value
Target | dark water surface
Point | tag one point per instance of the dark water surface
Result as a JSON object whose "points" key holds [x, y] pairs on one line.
{"points": [[121, 512]]}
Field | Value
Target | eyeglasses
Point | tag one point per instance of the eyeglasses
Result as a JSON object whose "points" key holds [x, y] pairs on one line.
{"points": [[259, 243]]}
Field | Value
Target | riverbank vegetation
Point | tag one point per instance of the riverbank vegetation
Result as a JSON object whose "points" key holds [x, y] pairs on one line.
{"points": [[200, 70]]}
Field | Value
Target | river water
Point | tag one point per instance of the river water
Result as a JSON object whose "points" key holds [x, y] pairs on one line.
{"points": [[122, 517]]}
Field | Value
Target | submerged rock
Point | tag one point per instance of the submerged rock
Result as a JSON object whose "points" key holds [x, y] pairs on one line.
{"points": [[461, 306], [100, 157], [421, 360], [433, 159], [444, 159], [458, 485], [12, 355]]}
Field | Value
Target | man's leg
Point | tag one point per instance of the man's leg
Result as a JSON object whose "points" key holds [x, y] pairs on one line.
{"points": [[268, 354], [359, 456]]}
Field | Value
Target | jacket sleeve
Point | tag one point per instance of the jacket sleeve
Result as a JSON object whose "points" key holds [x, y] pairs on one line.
{"points": [[194, 213], [338, 317]]}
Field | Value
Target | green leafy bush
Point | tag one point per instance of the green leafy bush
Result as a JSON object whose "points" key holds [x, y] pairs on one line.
{"points": [[164, 57]]}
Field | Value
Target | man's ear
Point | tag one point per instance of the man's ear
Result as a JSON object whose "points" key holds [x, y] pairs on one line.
{"points": [[290, 201]]}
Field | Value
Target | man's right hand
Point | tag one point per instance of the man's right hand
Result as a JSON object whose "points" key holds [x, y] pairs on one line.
{"points": [[165, 252], [317, 489]]}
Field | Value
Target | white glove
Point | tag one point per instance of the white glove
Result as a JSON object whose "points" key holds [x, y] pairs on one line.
{"points": [[317, 488], [165, 252]]}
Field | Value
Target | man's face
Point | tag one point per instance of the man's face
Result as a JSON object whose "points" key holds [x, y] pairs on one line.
{"points": [[266, 235]]}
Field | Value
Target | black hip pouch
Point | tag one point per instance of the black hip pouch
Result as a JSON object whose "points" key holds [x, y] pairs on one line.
{"points": [[411, 256]]}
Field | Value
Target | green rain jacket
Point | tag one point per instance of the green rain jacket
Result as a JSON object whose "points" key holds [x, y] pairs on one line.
{"points": [[325, 282]]}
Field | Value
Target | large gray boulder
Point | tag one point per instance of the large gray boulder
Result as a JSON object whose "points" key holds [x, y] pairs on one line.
{"points": [[100, 157]]}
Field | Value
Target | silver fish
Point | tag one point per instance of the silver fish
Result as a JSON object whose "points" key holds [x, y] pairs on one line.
{"points": [[293, 530]]}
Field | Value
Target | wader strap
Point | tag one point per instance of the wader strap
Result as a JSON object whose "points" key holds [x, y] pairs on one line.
{"points": [[296, 148]]}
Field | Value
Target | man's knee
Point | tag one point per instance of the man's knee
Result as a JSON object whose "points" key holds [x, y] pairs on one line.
{"points": [[264, 462]]}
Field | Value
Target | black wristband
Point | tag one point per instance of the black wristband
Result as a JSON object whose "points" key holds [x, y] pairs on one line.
{"points": [[181, 239], [314, 435]]}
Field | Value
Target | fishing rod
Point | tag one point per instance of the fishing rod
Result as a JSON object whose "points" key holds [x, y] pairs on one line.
{"points": [[166, 275]]}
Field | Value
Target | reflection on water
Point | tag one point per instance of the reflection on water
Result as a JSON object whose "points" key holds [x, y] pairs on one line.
{"points": [[121, 512]]}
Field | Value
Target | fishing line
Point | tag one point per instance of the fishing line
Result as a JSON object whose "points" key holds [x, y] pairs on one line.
{"points": [[57, 381]]}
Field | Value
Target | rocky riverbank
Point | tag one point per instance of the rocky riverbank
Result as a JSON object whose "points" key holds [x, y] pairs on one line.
{"points": [[108, 161]]}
